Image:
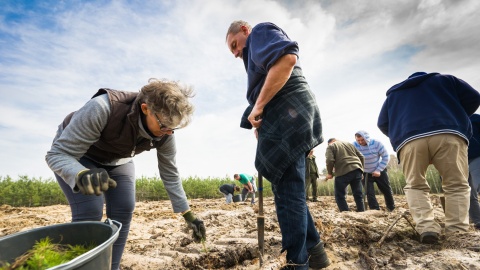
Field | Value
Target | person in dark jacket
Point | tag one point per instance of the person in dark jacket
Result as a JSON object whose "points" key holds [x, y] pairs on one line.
{"points": [[287, 123], [311, 176], [426, 118], [474, 171], [92, 153], [348, 163], [229, 190]]}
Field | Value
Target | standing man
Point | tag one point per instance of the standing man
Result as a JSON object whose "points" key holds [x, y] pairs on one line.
{"points": [[311, 175], [249, 186], [228, 191], [474, 171], [287, 123], [348, 163], [375, 170], [427, 120]]}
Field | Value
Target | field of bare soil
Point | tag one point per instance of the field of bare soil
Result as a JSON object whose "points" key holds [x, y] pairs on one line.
{"points": [[158, 238]]}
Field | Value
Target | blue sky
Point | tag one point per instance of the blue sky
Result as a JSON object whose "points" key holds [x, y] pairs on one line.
{"points": [[54, 55]]}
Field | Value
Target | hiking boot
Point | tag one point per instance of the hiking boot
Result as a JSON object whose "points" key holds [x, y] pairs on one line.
{"points": [[429, 238], [314, 200], [477, 226], [318, 257]]}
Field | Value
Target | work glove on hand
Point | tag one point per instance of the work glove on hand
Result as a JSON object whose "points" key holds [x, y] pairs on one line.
{"points": [[199, 232], [94, 181]]}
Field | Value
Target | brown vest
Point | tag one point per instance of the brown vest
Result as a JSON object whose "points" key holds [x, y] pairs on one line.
{"points": [[119, 137]]}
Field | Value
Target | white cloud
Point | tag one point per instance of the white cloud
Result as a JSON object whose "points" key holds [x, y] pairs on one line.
{"points": [[212, 146], [54, 58]]}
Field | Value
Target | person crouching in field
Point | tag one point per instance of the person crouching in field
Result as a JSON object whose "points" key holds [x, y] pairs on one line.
{"points": [[228, 190], [249, 186], [92, 153]]}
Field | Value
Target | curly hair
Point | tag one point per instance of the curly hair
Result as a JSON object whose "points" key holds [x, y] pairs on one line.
{"points": [[170, 99]]}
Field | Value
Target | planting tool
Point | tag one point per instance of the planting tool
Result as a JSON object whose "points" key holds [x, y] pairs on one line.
{"points": [[365, 194], [260, 219]]}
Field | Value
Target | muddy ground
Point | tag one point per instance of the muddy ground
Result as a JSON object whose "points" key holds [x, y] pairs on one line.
{"points": [[158, 239]]}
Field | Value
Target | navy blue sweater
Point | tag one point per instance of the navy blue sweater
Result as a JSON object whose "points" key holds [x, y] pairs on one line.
{"points": [[291, 124], [264, 46], [426, 105]]}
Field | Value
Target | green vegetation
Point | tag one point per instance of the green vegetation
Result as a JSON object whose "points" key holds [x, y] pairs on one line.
{"points": [[152, 189], [32, 192], [46, 254]]}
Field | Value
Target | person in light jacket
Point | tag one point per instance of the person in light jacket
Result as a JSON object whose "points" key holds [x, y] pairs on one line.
{"points": [[375, 171]]}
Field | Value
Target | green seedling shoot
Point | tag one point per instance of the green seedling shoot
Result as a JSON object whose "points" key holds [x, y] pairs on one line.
{"points": [[46, 254], [204, 244]]}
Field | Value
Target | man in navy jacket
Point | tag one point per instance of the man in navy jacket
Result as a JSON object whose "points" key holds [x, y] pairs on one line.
{"points": [[286, 118], [426, 118]]}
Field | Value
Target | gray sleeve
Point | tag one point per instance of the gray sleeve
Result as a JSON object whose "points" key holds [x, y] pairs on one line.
{"points": [[170, 176], [71, 143]]}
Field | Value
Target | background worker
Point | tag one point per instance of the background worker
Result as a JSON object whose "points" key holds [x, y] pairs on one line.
{"points": [[92, 153], [249, 186], [375, 170], [348, 163], [474, 171], [228, 190], [311, 176], [427, 120]]}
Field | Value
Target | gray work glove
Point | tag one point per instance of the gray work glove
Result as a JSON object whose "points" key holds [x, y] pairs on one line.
{"points": [[94, 181], [199, 232]]}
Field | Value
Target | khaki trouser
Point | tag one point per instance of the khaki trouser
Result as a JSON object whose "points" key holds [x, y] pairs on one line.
{"points": [[448, 153]]}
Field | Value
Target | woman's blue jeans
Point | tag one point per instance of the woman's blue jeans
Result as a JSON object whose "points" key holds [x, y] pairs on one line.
{"points": [[296, 224], [474, 182], [120, 202]]}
